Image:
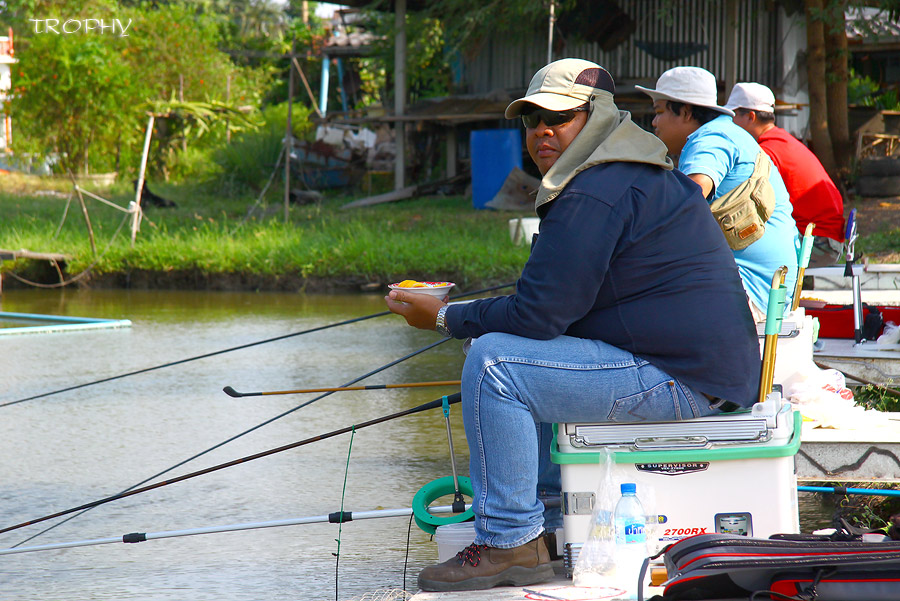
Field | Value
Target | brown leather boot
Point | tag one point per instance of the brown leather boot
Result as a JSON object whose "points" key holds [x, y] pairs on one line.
{"points": [[479, 567]]}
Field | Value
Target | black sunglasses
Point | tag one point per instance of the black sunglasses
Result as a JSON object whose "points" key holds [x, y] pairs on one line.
{"points": [[550, 118]]}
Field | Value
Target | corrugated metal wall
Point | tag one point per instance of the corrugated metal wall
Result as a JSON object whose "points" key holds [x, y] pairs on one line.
{"points": [[509, 64]]}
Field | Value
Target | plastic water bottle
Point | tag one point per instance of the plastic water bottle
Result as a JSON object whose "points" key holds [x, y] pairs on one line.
{"points": [[631, 539]]}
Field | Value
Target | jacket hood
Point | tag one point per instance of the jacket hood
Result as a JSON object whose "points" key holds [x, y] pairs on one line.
{"points": [[609, 135]]}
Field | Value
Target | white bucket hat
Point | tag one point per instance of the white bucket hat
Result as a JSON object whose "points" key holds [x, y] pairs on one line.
{"points": [[563, 85], [753, 96], [690, 85]]}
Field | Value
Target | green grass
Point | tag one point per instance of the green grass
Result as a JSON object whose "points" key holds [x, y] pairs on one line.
{"points": [[883, 244], [875, 397], [424, 238]]}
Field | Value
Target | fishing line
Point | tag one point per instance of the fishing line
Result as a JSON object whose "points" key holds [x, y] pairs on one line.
{"points": [[236, 348], [337, 555], [454, 398], [256, 427], [406, 557]]}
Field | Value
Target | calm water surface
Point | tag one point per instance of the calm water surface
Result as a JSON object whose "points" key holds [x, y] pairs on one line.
{"points": [[68, 449]]}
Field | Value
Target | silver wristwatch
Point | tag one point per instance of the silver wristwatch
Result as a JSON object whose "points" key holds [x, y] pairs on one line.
{"points": [[440, 323]]}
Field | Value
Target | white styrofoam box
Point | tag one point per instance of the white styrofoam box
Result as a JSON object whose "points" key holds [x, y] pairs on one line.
{"points": [[794, 350], [726, 473], [453, 538]]}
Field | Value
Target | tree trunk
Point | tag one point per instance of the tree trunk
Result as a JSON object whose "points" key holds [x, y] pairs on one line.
{"points": [[836, 86], [815, 66]]}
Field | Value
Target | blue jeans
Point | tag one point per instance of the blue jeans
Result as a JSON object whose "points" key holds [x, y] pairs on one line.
{"points": [[513, 388]]}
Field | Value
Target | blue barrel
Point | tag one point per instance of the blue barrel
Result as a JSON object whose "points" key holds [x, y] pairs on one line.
{"points": [[494, 154]]}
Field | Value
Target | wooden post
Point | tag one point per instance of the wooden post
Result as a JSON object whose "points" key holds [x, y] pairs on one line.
{"points": [[400, 92], [181, 99], [288, 139], [340, 78], [227, 101], [136, 215], [312, 97], [550, 33], [731, 49], [87, 219], [451, 151]]}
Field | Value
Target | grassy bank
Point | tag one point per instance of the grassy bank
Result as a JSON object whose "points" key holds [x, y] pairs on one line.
{"points": [[210, 242], [215, 242]]}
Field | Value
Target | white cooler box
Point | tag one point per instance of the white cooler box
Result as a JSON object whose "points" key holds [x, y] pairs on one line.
{"points": [[730, 473]]}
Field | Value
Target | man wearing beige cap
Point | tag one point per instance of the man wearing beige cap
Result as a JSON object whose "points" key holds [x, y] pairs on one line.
{"points": [[720, 157], [814, 196], [629, 309]]}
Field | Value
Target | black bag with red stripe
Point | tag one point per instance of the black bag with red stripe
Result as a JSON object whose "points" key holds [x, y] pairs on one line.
{"points": [[724, 566]]}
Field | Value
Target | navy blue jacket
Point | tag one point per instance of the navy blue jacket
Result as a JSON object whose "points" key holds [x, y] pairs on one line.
{"points": [[630, 254]]}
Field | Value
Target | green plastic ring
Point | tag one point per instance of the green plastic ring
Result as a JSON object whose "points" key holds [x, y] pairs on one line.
{"points": [[435, 490]]}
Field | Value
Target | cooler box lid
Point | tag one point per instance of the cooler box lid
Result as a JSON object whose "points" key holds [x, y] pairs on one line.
{"points": [[692, 433], [727, 436]]}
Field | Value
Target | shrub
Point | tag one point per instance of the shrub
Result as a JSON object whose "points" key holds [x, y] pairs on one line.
{"points": [[247, 162]]}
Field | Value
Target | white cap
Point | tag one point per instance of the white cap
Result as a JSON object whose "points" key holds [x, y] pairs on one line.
{"points": [[753, 96], [563, 85], [690, 85]]}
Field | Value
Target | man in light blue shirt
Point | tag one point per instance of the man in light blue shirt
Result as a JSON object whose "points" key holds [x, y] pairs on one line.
{"points": [[718, 155]]}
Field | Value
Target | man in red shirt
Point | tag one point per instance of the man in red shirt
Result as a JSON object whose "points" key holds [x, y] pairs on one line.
{"points": [[814, 196]]}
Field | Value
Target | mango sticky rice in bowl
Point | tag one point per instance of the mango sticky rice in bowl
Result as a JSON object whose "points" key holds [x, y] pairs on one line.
{"points": [[438, 289]]}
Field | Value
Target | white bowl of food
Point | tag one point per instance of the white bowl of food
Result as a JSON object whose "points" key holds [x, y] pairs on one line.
{"points": [[438, 289]]}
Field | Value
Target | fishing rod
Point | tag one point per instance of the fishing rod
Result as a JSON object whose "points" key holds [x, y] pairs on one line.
{"points": [[337, 517], [235, 348], [450, 399], [248, 431], [234, 393], [841, 490]]}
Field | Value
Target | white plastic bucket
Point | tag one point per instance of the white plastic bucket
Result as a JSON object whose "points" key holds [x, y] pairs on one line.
{"points": [[521, 229], [453, 538]]}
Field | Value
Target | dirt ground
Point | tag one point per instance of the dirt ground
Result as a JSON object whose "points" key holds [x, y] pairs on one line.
{"points": [[875, 215]]}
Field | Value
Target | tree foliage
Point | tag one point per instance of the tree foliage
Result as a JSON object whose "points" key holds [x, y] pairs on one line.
{"points": [[68, 90], [85, 97], [829, 77]]}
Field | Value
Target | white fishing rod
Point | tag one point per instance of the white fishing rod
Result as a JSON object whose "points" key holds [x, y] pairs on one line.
{"points": [[337, 517]]}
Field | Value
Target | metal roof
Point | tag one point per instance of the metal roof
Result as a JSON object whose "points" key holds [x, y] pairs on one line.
{"points": [[384, 4], [871, 25]]}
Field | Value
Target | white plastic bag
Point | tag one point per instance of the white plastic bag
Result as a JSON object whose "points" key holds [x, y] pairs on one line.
{"points": [[891, 334], [595, 566], [596, 560], [822, 396]]}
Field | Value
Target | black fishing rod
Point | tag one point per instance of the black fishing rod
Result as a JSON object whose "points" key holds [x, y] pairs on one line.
{"points": [[256, 427], [237, 394], [450, 399], [235, 348]]}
